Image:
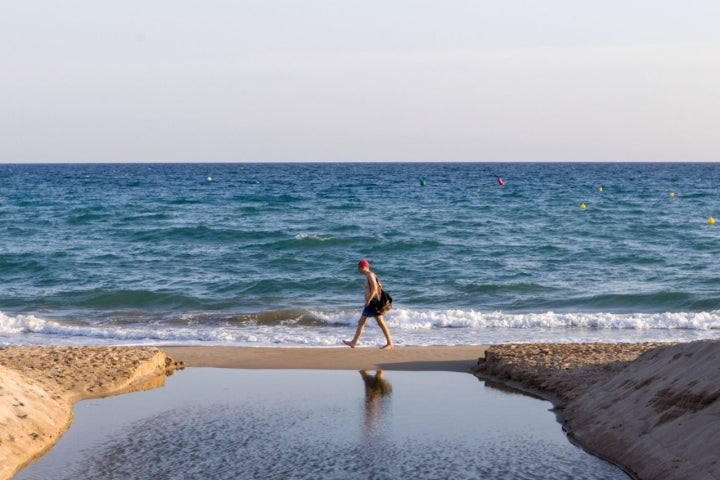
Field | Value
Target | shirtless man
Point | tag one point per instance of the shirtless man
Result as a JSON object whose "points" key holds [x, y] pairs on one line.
{"points": [[372, 291]]}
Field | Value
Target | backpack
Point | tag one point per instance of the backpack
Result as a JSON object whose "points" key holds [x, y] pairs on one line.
{"points": [[383, 303]]}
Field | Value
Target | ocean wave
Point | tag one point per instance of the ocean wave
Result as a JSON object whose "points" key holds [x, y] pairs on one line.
{"points": [[56, 331], [316, 328], [16, 263], [80, 216], [193, 232], [314, 238], [270, 318], [663, 300], [141, 216], [467, 287], [409, 319], [125, 299], [268, 198]]}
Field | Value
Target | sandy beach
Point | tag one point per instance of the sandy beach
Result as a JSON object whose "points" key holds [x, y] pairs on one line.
{"points": [[651, 408]]}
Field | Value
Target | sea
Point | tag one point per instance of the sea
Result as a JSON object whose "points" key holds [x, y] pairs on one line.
{"points": [[265, 254]]}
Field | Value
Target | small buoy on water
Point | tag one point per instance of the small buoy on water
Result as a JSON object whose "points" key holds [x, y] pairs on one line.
{"points": [[672, 194], [711, 221], [501, 182], [209, 179], [582, 206], [600, 189], [422, 182]]}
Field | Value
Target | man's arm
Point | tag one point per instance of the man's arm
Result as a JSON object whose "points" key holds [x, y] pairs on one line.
{"points": [[373, 289]]}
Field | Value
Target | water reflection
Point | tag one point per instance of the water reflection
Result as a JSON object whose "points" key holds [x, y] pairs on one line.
{"points": [[377, 400]]}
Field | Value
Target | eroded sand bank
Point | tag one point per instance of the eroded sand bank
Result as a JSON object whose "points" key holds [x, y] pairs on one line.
{"points": [[38, 386], [651, 408]]}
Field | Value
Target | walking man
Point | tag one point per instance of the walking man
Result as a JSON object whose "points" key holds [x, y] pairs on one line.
{"points": [[372, 293]]}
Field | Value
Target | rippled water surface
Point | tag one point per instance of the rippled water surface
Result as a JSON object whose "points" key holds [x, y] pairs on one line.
{"points": [[244, 424]]}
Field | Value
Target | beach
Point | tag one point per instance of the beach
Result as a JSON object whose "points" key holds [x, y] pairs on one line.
{"points": [[647, 407]]}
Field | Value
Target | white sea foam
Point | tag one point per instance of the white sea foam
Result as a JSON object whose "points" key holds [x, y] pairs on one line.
{"points": [[20, 324], [303, 236], [409, 327], [412, 320]]}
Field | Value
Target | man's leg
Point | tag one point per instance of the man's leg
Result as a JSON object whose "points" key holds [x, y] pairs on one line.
{"points": [[381, 323], [361, 325]]}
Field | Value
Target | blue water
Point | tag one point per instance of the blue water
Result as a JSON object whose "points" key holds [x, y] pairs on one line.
{"points": [[265, 254]]}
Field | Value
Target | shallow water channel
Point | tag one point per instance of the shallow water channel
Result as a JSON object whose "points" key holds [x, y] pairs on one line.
{"points": [[317, 424]]}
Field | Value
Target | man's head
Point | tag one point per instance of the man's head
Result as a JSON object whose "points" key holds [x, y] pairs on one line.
{"points": [[363, 265]]}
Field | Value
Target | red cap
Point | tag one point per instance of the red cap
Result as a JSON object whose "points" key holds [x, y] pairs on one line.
{"points": [[363, 264]]}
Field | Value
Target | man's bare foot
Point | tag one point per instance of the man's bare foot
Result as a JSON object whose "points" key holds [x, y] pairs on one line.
{"points": [[349, 343], [387, 347]]}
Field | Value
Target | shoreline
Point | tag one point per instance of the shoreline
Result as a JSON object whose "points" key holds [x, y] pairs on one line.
{"points": [[649, 408]]}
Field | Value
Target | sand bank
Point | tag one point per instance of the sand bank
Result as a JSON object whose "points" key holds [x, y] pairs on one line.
{"points": [[38, 386], [651, 408]]}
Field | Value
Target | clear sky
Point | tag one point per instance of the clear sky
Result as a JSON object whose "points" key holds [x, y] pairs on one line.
{"points": [[352, 80]]}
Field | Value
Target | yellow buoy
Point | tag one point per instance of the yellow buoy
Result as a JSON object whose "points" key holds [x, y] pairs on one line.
{"points": [[711, 221], [672, 194], [600, 189], [582, 206]]}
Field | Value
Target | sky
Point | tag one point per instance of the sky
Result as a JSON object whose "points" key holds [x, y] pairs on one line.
{"points": [[351, 80]]}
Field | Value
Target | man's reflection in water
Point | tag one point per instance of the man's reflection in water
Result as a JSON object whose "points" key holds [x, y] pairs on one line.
{"points": [[377, 396]]}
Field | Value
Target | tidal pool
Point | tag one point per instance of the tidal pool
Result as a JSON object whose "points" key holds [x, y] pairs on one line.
{"points": [[209, 423]]}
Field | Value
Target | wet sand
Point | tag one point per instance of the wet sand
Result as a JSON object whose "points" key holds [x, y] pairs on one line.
{"points": [[651, 408], [452, 359]]}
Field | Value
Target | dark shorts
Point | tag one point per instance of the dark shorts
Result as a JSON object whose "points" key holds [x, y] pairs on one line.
{"points": [[369, 311]]}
